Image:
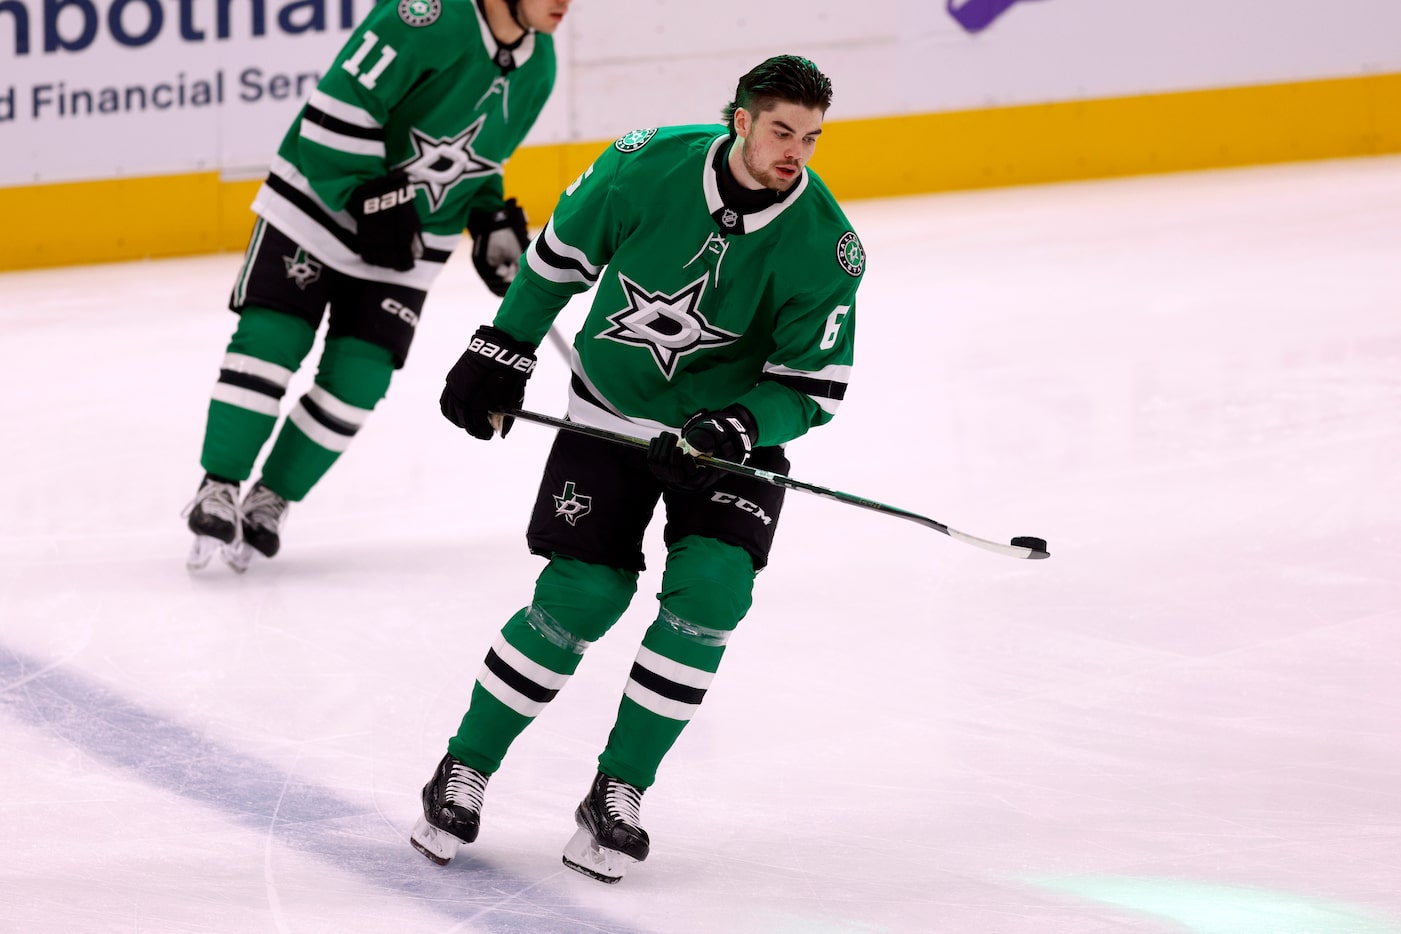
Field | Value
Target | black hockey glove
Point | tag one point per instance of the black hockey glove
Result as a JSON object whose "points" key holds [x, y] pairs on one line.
{"points": [[728, 434], [387, 224], [489, 377], [498, 240]]}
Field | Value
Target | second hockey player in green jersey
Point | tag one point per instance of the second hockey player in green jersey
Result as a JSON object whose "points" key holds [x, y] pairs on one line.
{"points": [[400, 146], [422, 89]]}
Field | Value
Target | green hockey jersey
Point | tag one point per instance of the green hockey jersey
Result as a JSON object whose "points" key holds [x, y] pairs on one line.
{"points": [[698, 304], [421, 86]]}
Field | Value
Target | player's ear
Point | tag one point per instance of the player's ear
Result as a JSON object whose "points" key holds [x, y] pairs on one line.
{"points": [[742, 122]]}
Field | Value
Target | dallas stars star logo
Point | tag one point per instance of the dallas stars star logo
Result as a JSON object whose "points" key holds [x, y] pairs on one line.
{"points": [[571, 506], [302, 269], [438, 164], [670, 326]]}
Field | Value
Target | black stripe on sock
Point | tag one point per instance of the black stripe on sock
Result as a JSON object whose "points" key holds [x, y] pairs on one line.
{"points": [[252, 383], [517, 681], [326, 419], [665, 686]]}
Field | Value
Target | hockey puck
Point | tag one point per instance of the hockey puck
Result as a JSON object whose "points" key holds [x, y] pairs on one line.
{"points": [[1028, 541]]}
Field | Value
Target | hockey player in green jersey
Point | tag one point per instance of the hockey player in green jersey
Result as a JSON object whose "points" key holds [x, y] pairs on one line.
{"points": [[722, 323], [396, 151]]}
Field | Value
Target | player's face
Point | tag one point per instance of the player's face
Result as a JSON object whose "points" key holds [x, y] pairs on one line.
{"points": [[777, 143], [544, 15]]}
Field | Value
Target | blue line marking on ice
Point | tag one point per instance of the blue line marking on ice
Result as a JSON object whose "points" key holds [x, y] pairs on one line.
{"points": [[263, 797]]}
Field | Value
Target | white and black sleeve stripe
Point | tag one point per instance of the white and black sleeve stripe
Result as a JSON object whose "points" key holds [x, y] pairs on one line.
{"points": [[340, 126], [550, 257], [826, 387]]}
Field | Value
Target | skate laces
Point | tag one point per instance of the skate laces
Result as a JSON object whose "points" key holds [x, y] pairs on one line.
{"points": [[465, 787], [214, 498], [263, 507], [623, 801]]}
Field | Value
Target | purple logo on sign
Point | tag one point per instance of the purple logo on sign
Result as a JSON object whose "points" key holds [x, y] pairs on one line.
{"points": [[977, 15]]}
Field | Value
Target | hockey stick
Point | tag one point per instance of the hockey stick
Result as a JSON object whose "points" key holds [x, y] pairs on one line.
{"points": [[559, 342], [1023, 546]]}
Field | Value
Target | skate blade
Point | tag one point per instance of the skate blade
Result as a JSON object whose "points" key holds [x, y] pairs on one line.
{"points": [[202, 550], [437, 845], [237, 555], [583, 854]]}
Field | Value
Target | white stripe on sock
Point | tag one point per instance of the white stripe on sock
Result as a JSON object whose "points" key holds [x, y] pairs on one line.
{"points": [[248, 399]]}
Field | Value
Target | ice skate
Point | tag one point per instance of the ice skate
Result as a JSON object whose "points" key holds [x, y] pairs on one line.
{"points": [[452, 810], [262, 512], [610, 837], [213, 517]]}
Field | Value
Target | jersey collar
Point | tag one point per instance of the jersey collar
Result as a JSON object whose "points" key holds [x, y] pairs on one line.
{"points": [[518, 54], [744, 223]]}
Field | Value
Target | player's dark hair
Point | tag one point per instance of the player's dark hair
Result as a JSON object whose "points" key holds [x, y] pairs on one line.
{"points": [[789, 79]]}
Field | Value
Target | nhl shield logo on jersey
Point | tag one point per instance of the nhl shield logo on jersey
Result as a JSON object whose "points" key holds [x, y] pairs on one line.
{"points": [[851, 254], [570, 506], [635, 140], [420, 12], [302, 269]]}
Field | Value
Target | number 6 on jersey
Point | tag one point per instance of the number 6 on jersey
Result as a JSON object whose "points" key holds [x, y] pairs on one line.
{"points": [[834, 324]]}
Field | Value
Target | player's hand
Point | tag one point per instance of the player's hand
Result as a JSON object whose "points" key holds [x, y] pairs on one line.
{"points": [[498, 240], [728, 434], [488, 378], [388, 231]]}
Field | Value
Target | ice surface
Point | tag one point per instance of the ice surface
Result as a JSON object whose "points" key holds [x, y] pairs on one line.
{"points": [[1186, 720]]}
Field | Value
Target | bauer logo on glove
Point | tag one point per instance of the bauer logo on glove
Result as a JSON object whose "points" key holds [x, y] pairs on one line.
{"points": [[487, 381], [511, 359], [387, 200]]}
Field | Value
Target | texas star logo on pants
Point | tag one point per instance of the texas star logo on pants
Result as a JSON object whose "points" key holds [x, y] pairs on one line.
{"points": [[302, 269], [570, 505]]}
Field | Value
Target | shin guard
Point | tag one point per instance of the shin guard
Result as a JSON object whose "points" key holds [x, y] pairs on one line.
{"points": [[536, 653], [706, 590]]}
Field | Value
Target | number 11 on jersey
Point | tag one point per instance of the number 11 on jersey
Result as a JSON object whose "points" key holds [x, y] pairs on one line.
{"points": [[386, 55]]}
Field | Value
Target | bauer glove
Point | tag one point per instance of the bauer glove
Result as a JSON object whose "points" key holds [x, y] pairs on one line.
{"points": [[728, 434], [489, 377], [498, 239], [386, 220]]}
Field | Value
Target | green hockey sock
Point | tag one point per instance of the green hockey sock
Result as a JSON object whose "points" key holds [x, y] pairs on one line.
{"points": [[706, 590], [266, 348], [537, 651], [354, 375], [523, 671]]}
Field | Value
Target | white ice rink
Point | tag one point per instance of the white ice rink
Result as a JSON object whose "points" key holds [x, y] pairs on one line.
{"points": [[1187, 720]]}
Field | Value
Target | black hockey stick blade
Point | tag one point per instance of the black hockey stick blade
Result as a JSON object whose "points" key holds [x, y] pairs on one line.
{"points": [[1023, 546]]}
